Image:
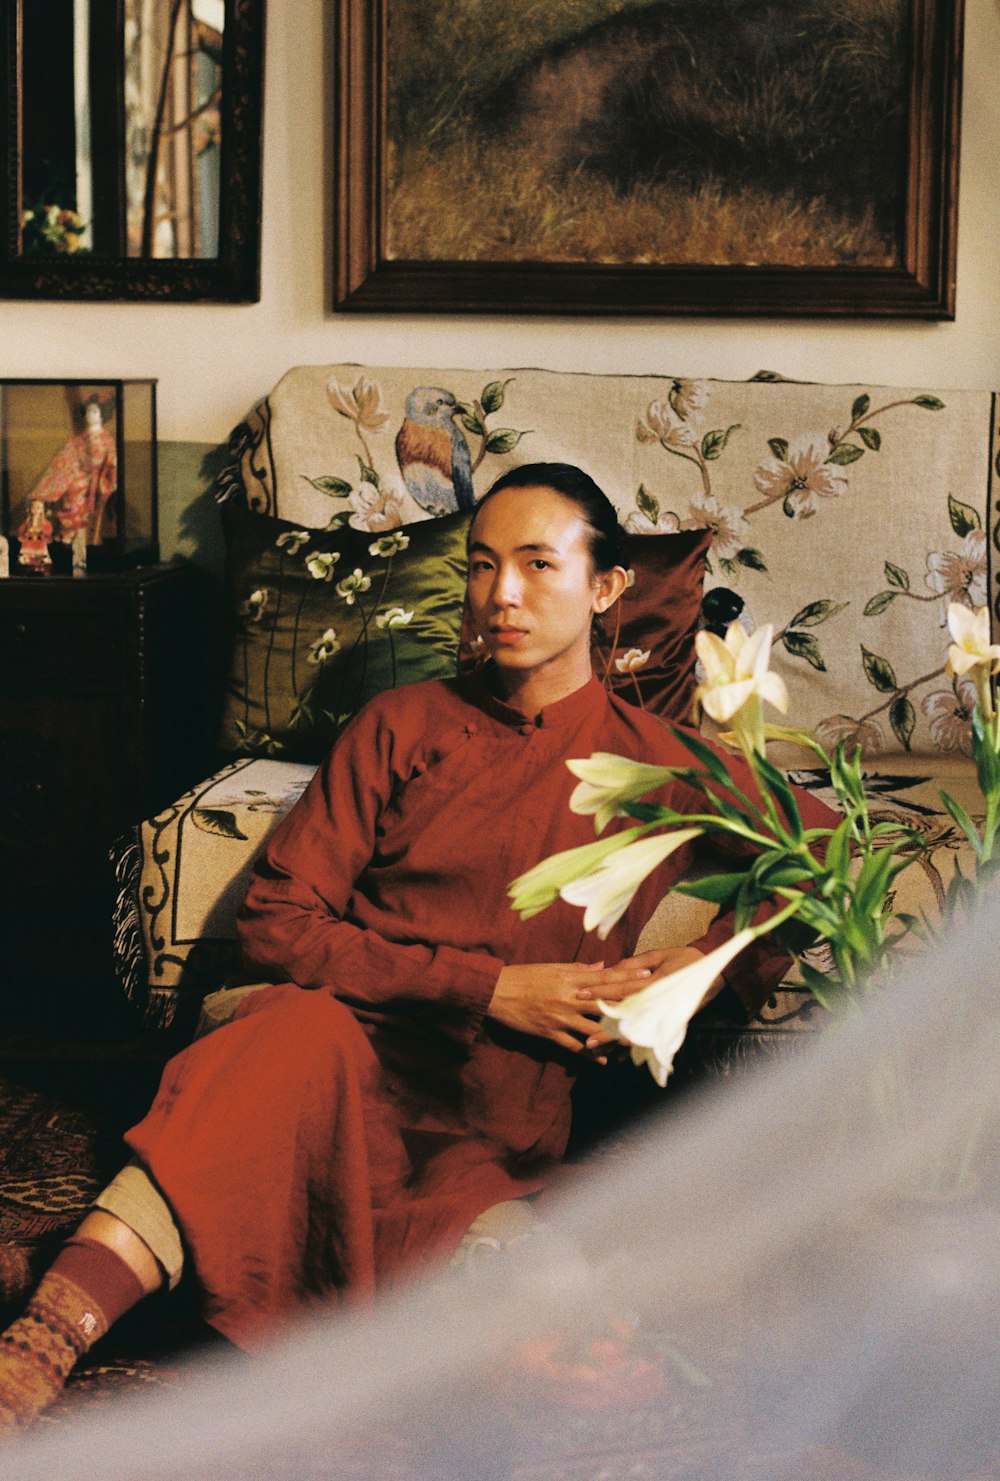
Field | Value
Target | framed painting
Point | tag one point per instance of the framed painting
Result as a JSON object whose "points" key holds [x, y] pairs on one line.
{"points": [[648, 156]]}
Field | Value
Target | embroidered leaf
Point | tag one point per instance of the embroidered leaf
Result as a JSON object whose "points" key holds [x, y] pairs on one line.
{"points": [[846, 453], [879, 671], [896, 576], [779, 447], [217, 820], [902, 718], [726, 566], [804, 645], [751, 558], [503, 440], [879, 602], [492, 398], [860, 407], [963, 517], [337, 488], [816, 612], [648, 504], [471, 422], [870, 438], [713, 442], [929, 403], [368, 475]]}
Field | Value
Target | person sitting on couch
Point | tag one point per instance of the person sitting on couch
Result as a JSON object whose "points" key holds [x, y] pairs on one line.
{"points": [[410, 1063]]}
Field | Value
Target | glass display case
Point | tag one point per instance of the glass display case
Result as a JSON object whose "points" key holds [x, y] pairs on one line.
{"points": [[78, 472]]}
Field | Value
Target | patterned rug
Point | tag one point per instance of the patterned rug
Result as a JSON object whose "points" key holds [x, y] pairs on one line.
{"points": [[54, 1157]]}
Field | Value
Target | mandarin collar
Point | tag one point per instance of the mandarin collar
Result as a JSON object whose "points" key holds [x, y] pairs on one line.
{"points": [[562, 712]]}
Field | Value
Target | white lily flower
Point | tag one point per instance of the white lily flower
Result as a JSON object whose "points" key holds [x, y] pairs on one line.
{"points": [[607, 889], [654, 1020], [971, 644], [972, 652], [539, 887], [737, 681], [607, 781]]}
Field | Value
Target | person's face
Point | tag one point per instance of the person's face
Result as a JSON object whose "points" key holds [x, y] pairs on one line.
{"points": [[92, 417], [532, 586]]}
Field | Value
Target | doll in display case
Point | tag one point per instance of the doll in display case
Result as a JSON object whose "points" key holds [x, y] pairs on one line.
{"points": [[34, 535], [80, 480]]}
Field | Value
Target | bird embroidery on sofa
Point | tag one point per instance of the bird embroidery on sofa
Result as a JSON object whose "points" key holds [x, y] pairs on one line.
{"points": [[433, 454]]}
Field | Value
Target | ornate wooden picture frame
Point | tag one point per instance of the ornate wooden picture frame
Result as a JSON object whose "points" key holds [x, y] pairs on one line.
{"points": [[412, 185]]}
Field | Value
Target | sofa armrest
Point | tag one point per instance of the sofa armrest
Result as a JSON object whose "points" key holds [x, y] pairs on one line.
{"points": [[181, 877]]}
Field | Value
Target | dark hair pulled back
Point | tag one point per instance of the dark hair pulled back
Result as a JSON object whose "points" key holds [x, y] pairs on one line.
{"points": [[608, 546]]}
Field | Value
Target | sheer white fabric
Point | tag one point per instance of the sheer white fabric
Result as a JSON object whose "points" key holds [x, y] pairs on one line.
{"points": [[774, 1279]]}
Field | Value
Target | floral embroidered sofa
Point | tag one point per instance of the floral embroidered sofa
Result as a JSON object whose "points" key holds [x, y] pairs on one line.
{"points": [[846, 516]]}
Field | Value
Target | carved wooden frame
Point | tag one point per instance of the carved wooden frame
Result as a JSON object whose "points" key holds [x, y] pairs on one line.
{"points": [[231, 277], [923, 286]]}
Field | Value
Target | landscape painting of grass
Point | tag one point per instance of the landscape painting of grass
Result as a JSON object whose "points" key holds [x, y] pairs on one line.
{"points": [[670, 132]]}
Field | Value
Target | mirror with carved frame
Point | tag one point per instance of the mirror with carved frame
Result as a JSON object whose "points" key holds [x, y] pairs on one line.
{"points": [[131, 145]]}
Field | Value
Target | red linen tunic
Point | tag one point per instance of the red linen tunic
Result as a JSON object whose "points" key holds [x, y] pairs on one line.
{"points": [[324, 1140]]}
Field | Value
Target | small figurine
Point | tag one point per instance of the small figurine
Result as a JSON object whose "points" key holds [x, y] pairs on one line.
{"points": [[81, 479], [34, 535]]}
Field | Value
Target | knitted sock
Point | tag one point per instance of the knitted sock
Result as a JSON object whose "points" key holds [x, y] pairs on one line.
{"points": [[87, 1289]]}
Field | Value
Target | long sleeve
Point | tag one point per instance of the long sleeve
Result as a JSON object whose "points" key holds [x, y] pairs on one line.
{"points": [[303, 920]]}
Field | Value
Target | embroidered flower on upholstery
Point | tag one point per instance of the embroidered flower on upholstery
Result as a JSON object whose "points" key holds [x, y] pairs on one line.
{"points": [[374, 508], [729, 528], [638, 523], [256, 603], [395, 617], [631, 660], [324, 647], [960, 576], [352, 585], [361, 404], [802, 477], [864, 733], [321, 563], [662, 425], [388, 545], [293, 540], [949, 716], [688, 398]]}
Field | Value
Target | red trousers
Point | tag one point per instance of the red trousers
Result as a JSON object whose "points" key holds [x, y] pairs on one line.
{"points": [[280, 1148]]}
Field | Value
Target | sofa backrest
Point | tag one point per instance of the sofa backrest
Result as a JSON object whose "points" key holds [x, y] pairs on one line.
{"points": [[846, 516]]}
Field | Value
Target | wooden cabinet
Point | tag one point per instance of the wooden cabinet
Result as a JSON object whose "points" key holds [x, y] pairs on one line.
{"points": [[102, 721]]}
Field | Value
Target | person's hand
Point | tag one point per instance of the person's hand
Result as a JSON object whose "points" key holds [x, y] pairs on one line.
{"points": [[558, 1001], [663, 960], [657, 963]]}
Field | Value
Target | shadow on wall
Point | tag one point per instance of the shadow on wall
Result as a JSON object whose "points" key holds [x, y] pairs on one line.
{"points": [[190, 526]]}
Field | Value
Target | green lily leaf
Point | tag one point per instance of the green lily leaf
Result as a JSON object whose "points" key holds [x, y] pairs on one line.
{"points": [[719, 889]]}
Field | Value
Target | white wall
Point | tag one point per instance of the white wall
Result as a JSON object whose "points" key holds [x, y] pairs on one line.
{"points": [[213, 362]]}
